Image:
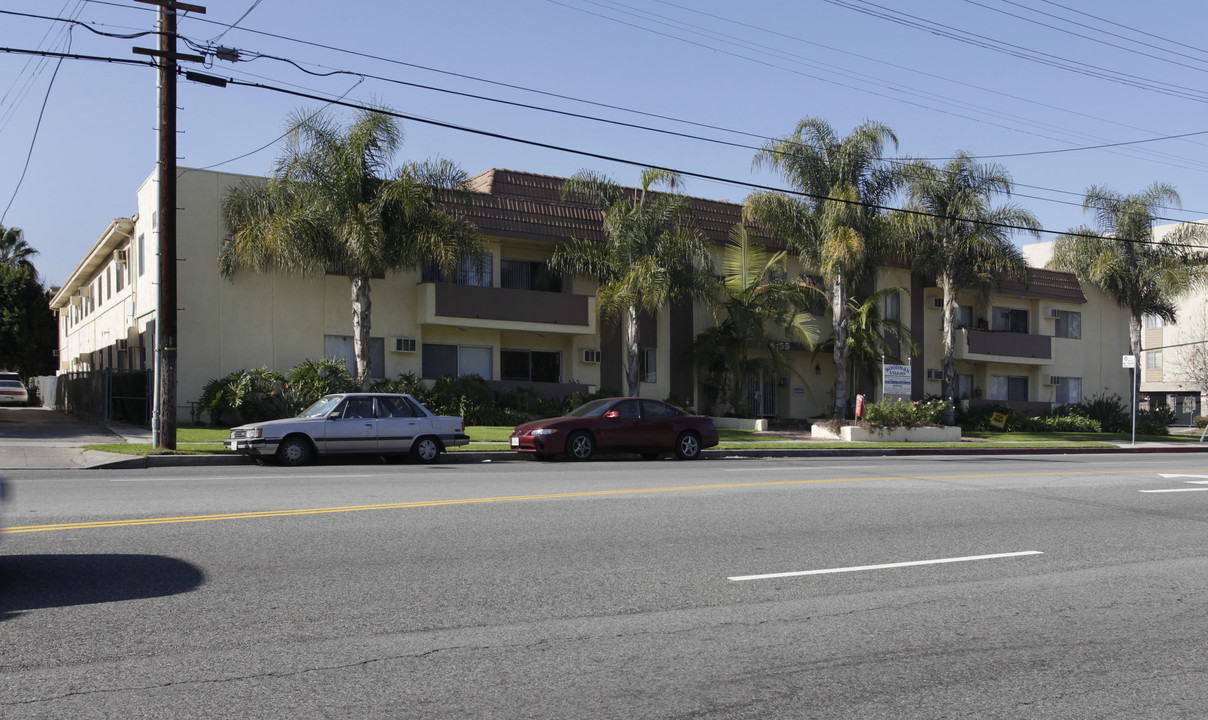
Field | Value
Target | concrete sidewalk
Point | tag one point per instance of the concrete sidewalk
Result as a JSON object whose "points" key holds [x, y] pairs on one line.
{"points": [[44, 439]]}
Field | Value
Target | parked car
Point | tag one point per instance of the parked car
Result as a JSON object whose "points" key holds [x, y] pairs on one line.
{"points": [[12, 390], [366, 423], [641, 425]]}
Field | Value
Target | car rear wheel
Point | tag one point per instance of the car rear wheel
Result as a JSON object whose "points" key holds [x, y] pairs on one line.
{"points": [[426, 449], [294, 450], [687, 446], [580, 446]]}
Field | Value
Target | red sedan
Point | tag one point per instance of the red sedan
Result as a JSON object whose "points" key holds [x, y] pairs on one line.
{"points": [[641, 425]]}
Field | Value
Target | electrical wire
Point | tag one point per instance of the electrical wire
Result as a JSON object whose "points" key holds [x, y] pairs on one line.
{"points": [[38, 126]]}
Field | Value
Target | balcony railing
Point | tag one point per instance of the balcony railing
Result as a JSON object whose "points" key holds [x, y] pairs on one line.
{"points": [[1007, 344], [490, 306]]}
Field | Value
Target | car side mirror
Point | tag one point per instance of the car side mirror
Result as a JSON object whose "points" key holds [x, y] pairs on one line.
{"points": [[612, 414]]}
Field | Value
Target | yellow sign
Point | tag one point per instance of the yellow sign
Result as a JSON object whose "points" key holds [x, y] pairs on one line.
{"points": [[998, 420]]}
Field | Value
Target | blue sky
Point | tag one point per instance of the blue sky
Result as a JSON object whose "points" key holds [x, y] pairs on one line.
{"points": [[1100, 73]]}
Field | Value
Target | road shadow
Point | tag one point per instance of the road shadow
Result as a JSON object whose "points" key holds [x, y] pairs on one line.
{"points": [[32, 582]]}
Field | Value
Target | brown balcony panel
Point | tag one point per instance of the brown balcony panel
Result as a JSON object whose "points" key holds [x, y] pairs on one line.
{"points": [[486, 303], [1010, 344]]}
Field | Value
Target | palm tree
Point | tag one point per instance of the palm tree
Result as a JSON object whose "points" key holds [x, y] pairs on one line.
{"points": [[955, 237], [1121, 257], [762, 311], [838, 226], [327, 207], [869, 333], [14, 251], [652, 253]]}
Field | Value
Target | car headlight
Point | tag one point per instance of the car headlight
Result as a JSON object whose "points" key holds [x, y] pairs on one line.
{"points": [[543, 431]]}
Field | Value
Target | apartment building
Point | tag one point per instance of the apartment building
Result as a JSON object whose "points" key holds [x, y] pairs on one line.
{"points": [[518, 325]]}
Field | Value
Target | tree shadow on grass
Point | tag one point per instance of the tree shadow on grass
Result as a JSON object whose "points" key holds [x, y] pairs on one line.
{"points": [[32, 582]]}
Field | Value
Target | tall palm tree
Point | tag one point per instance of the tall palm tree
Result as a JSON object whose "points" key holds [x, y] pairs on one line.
{"points": [[837, 226], [761, 310], [328, 207], [1121, 257], [14, 251], [652, 253], [957, 238]]}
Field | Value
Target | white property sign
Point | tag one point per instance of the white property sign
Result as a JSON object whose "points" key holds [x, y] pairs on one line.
{"points": [[1130, 361], [895, 379]]}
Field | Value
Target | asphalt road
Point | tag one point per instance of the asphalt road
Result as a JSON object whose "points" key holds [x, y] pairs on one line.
{"points": [[987, 587]]}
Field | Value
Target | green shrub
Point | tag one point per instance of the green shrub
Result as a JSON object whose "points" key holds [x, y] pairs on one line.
{"points": [[1062, 423], [904, 413], [1200, 421], [310, 380], [1109, 410], [249, 395], [980, 418], [1156, 421]]}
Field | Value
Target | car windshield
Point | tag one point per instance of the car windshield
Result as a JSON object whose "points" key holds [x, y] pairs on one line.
{"points": [[595, 408], [321, 407], [10, 383]]}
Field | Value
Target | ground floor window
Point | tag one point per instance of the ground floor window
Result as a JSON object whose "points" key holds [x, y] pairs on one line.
{"points": [[964, 386], [440, 360], [649, 360], [1008, 387], [1069, 390], [340, 346], [530, 365]]}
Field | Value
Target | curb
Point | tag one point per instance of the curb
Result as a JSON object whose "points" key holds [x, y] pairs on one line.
{"points": [[465, 458]]}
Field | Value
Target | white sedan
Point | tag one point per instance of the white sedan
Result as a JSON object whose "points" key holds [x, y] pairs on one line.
{"points": [[366, 423]]}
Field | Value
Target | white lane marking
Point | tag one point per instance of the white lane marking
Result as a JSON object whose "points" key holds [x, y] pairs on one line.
{"points": [[1177, 490], [801, 467], [1174, 475], [860, 568], [234, 477]]}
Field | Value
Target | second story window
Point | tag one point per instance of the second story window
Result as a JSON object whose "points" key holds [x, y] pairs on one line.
{"points": [[1068, 324], [1008, 319], [528, 275]]}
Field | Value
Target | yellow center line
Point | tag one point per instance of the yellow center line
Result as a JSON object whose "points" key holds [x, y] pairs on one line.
{"points": [[507, 498]]}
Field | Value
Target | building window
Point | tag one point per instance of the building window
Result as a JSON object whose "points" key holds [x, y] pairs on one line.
{"points": [[528, 275], [964, 316], [1069, 390], [649, 365], [467, 273], [440, 360], [530, 365], [1153, 322], [1068, 325], [964, 387], [1153, 360], [340, 346], [142, 255], [1008, 387], [1007, 319], [119, 276], [893, 306]]}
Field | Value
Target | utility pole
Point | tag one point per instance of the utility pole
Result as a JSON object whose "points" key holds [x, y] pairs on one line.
{"points": [[163, 426]]}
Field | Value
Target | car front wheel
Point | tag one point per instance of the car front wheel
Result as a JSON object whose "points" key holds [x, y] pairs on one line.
{"points": [[294, 450], [687, 447], [426, 449], [580, 447]]}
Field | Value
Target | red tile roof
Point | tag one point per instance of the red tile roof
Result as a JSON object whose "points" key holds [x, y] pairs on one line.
{"points": [[1048, 284]]}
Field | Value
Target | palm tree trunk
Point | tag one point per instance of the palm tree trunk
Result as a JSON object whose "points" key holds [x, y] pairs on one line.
{"points": [[839, 323], [1134, 341], [632, 351], [949, 371], [360, 328]]}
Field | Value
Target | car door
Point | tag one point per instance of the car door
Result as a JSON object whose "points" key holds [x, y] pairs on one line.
{"points": [[622, 430], [351, 427], [398, 424], [659, 425]]}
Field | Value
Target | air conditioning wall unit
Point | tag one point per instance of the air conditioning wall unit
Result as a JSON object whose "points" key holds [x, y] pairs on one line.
{"points": [[123, 344], [937, 303], [120, 256], [591, 356], [132, 337], [402, 345], [1054, 313], [935, 374], [1052, 380]]}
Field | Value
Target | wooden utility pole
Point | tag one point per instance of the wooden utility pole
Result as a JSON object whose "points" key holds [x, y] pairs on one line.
{"points": [[163, 422]]}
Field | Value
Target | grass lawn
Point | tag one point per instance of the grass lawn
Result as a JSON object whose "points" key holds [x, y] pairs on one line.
{"points": [[191, 440]]}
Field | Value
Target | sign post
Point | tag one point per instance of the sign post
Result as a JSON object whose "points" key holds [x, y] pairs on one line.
{"points": [[1130, 361]]}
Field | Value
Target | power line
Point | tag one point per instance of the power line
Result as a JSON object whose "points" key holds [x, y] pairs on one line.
{"points": [[33, 140]]}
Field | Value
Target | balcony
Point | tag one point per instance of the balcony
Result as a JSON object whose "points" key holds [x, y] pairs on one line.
{"points": [[507, 309], [995, 346]]}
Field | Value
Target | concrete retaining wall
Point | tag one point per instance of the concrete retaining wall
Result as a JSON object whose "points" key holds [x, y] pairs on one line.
{"points": [[852, 433]]}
